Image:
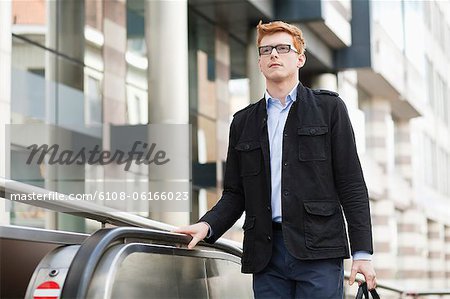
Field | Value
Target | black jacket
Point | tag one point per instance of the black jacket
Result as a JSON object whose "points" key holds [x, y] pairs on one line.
{"points": [[321, 176]]}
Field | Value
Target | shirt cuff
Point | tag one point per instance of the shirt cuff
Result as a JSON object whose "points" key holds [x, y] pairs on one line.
{"points": [[210, 232], [362, 255]]}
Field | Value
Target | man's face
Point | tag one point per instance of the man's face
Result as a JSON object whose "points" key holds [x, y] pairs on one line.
{"points": [[279, 67]]}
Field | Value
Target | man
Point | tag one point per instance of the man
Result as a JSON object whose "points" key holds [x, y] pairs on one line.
{"points": [[292, 166]]}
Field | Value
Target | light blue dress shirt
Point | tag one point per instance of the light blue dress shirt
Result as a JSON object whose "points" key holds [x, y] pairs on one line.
{"points": [[277, 114]]}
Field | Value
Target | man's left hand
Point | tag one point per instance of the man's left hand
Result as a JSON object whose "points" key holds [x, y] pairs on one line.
{"points": [[365, 268]]}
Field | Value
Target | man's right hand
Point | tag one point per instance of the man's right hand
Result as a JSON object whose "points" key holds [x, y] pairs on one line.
{"points": [[198, 231]]}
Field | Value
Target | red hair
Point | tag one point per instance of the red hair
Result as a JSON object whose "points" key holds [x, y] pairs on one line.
{"points": [[279, 26]]}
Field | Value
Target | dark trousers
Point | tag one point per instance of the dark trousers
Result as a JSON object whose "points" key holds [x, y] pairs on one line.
{"points": [[287, 277]]}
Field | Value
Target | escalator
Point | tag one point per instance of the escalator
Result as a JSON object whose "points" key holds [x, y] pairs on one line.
{"points": [[127, 262], [138, 258]]}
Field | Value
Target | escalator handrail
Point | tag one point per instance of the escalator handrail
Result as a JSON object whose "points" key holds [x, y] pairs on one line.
{"points": [[91, 251], [84, 209], [95, 212]]}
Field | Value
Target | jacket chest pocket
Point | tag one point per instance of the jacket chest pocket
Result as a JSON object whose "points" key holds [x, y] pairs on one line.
{"points": [[312, 143], [250, 157]]}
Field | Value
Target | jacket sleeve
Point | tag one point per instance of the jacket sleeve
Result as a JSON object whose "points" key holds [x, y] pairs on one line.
{"points": [[231, 205], [349, 180]]}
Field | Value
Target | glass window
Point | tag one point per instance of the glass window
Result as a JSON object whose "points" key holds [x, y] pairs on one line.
{"points": [[202, 85], [445, 102], [94, 14], [206, 136], [426, 13], [137, 105], [414, 32], [448, 174], [389, 15], [93, 101], [239, 95], [206, 87], [428, 165], [238, 86], [429, 71], [434, 169], [24, 214], [137, 64], [441, 171]]}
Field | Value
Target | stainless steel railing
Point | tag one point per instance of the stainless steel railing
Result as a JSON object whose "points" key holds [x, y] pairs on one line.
{"points": [[99, 213]]}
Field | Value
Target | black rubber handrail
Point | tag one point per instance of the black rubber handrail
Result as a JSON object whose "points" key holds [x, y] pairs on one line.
{"points": [[91, 251]]}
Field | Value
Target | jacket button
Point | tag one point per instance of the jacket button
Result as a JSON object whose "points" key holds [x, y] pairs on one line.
{"points": [[286, 193], [312, 131], [268, 208], [247, 146], [286, 164], [269, 239], [285, 134]]}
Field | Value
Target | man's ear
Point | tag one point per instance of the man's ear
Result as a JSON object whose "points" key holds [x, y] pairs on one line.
{"points": [[301, 60]]}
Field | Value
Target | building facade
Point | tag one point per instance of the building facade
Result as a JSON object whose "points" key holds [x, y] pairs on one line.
{"points": [[131, 63]]}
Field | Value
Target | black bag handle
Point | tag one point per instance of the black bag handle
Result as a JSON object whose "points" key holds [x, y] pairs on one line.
{"points": [[362, 290]]}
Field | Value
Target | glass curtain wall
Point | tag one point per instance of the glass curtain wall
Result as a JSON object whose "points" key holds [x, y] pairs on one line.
{"points": [[203, 103], [202, 111], [57, 80], [48, 87]]}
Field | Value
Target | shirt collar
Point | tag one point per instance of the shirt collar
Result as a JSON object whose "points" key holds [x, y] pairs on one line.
{"points": [[292, 96]]}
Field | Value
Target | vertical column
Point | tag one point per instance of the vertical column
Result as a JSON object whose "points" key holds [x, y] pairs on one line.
{"points": [[385, 239], [65, 27], [256, 79], [379, 132], [222, 56], [412, 246], [167, 43], [436, 255], [5, 94], [403, 159], [114, 87], [348, 91], [447, 254], [166, 34], [325, 81]]}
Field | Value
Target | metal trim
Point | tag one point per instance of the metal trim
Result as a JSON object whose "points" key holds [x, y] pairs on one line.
{"points": [[40, 235]]}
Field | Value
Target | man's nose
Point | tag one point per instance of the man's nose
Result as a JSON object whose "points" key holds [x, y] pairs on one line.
{"points": [[274, 52]]}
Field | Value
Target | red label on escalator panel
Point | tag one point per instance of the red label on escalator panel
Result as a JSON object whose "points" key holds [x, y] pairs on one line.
{"points": [[47, 290]]}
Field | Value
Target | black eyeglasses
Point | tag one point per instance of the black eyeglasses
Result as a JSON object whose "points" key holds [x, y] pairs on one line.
{"points": [[281, 49]]}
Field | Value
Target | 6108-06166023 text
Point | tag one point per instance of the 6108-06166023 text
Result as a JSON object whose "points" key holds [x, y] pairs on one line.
{"points": [[103, 196]]}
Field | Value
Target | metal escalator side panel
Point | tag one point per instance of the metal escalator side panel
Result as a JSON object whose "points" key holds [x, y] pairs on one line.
{"points": [[51, 272], [137, 270]]}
